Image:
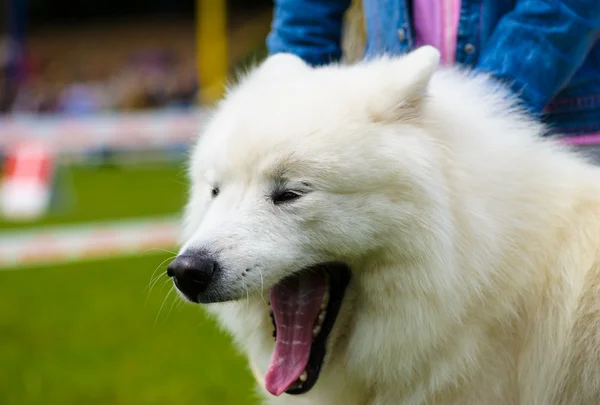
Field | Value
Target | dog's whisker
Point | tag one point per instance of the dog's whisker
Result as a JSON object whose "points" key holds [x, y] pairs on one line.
{"points": [[154, 282], [156, 269], [158, 250], [262, 285], [247, 294], [162, 305], [165, 282], [173, 302]]}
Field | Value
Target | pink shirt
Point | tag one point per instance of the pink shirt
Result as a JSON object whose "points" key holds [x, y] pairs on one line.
{"points": [[436, 24]]}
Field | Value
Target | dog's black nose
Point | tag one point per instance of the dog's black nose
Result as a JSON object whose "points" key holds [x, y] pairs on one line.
{"points": [[192, 273]]}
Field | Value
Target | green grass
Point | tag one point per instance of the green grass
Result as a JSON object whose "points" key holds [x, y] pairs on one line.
{"points": [[90, 333], [91, 193]]}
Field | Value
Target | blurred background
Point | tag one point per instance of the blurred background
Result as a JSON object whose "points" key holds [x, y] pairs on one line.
{"points": [[99, 101]]}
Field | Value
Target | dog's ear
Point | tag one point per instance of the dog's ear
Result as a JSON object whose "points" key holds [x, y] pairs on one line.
{"points": [[404, 86], [282, 64]]}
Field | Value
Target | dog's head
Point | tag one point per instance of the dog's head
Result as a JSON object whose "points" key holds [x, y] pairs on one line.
{"points": [[301, 175]]}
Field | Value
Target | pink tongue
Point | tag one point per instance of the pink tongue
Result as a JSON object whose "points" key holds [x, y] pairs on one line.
{"points": [[296, 302]]}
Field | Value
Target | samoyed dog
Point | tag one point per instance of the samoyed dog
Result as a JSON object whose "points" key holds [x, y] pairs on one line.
{"points": [[394, 233]]}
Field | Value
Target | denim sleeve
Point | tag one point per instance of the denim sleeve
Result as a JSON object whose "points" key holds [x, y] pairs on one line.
{"points": [[539, 45], [310, 29]]}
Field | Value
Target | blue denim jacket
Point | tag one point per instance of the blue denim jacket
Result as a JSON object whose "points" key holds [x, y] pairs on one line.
{"points": [[548, 51]]}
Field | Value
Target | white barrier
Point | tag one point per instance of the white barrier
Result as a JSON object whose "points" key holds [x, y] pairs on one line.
{"points": [[53, 245], [140, 130]]}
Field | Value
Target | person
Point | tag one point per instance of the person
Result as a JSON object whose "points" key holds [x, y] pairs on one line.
{"points": [[546, 51]]}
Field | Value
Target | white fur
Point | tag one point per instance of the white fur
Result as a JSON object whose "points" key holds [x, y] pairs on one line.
{"points": [[474, 243]]}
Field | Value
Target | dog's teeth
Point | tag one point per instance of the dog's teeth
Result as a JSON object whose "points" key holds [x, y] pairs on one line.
{"points": [[303, 377], [325, 301], [316, 330], [321, 317]]}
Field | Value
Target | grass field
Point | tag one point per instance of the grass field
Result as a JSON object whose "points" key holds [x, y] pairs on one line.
{"points": [[91, 332]]}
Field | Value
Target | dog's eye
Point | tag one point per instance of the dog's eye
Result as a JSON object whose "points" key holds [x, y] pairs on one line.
{"points": [[285, 196], [215, 192]]}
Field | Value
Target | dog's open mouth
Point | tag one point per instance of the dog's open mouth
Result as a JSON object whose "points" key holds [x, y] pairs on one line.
{"points": [[304, 308]]}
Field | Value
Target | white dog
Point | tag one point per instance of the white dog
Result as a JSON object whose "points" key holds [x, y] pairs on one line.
{"points": [[393, 233]]}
